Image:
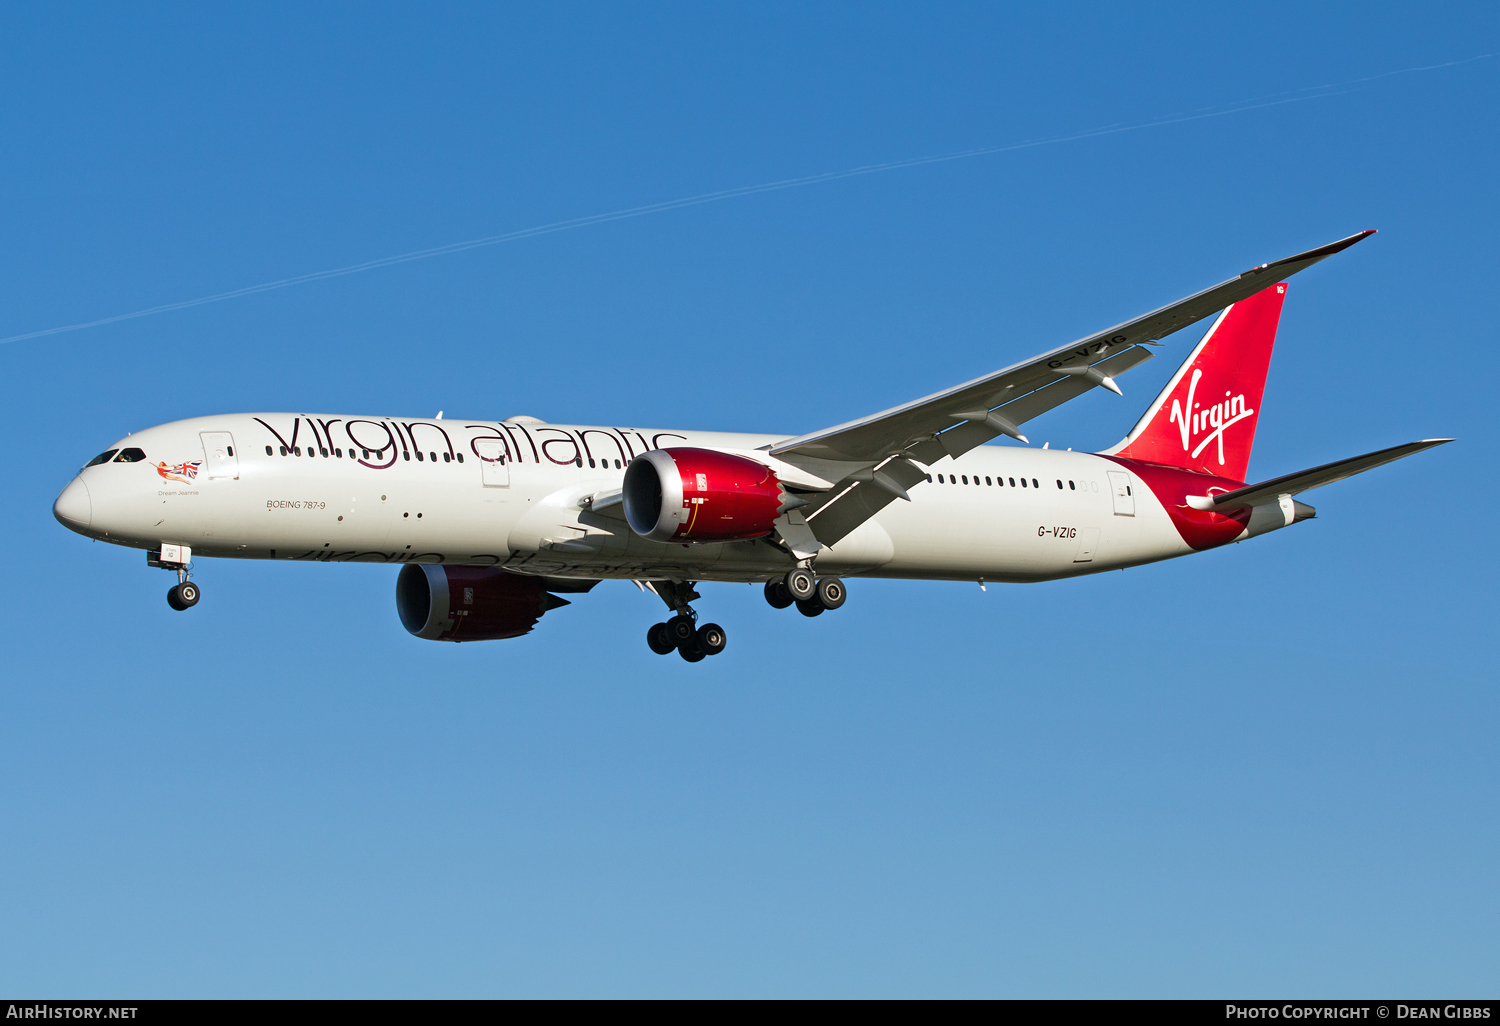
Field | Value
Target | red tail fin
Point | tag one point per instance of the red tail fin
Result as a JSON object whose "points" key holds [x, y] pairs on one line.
{"points": [[1204, 419]]}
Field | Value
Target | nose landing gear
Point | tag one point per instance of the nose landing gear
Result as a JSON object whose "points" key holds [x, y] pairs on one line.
{"points": [[682, 634], [178, 558]]}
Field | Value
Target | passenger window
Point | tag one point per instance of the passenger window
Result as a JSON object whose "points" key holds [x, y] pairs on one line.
{"points": [[1127, 490], [229, 449], [460, 457], [1034, 484], [105, 457], [591, 463], [365, 453], [1070, 486], [989, 482], [1012, 482], [419, 455], [433, 456], [447, 458], [966, 479], [929, 477], [617, 467], [1059, 485], [130, 456], [339, 453], [268, 450], [1023, 482], [405, 455]]}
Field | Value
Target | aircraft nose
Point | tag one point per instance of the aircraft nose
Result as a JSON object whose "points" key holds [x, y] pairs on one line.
{"points": [[73, 507]]}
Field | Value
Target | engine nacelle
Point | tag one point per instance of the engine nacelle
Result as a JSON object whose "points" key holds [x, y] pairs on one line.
{"points": [[699, 495], [469, 603]]}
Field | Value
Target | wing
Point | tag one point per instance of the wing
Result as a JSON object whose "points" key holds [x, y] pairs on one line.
{"points": [[1306, 480], [880, 453]]}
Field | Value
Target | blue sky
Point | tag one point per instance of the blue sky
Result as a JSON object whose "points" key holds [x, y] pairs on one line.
{"points": [[1268, 770]]}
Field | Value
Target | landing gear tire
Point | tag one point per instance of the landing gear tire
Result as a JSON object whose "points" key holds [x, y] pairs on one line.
{"points": [[810, 607], [777, 595], [711, 639], [800, 584], [692, 653], [831, 592], [183, 596], [681, 630], [659, 640]]}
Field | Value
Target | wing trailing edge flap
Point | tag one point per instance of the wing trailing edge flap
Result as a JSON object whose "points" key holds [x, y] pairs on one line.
{"points": [[980, 426], [1306, 480], [834, 520]]}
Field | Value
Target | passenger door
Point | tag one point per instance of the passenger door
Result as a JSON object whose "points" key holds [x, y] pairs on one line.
{"points": [[219, 459], [1119, 486], [496, 472]]}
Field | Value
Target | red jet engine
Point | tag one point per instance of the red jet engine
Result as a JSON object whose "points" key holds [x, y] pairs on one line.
{"points": [[469, 603], [699, 495]]}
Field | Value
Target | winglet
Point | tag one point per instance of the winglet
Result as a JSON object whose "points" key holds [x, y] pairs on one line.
{"points": [[1312, 256]]}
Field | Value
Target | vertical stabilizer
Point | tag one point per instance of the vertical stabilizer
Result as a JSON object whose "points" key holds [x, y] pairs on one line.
{"points": [[1204, 419]]}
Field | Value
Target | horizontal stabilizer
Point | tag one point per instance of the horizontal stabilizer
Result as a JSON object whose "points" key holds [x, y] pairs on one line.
{"points": [[1291, 484]]}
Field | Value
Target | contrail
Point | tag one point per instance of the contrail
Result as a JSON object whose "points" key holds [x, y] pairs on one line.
{"points": [[1197, 114]]}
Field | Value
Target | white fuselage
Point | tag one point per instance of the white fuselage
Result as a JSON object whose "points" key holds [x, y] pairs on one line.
{"points": [[388, 505]]}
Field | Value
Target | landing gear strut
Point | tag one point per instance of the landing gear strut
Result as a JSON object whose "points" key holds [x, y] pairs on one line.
{"points": [[682, 633], [177, 558]]}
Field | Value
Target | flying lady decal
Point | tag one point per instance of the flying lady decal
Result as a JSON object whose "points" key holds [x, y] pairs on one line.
{"points": [[184, 472]]}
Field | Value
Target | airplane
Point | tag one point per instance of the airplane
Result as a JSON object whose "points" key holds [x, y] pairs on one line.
{"points": [[492, 522]]}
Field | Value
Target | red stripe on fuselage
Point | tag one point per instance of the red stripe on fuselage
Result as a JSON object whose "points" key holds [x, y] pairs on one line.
{"points": [[1199, 528]]}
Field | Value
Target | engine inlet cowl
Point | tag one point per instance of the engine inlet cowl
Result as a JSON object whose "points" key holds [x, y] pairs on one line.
{"points": [[700, 495], [469, 603]]}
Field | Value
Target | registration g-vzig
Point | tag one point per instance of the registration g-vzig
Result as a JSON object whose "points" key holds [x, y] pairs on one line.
{"points": [[490, 521]]}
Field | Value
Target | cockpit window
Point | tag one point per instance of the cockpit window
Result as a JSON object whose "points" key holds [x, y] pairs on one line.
{"points": [[130, 456], [103, 457]]}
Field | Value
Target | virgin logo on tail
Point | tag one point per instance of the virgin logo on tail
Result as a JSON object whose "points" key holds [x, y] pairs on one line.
{"points": [[1219, 385], [1218, 417]]}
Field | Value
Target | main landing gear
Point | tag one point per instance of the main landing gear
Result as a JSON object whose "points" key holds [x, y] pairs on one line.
{"points": [[811, 596], [682, 634]]}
